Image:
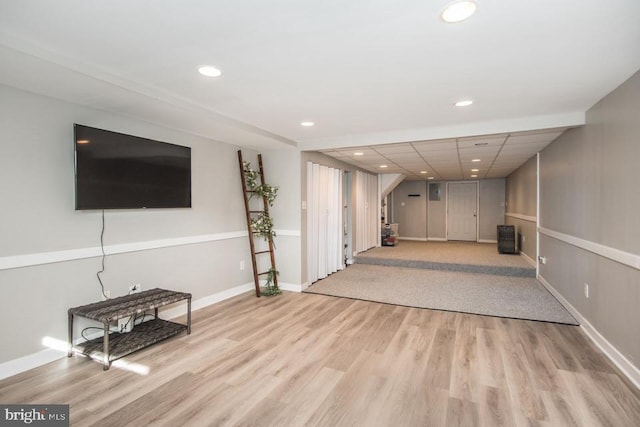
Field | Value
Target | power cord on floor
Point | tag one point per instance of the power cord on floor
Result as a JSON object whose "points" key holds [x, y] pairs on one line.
{"points": [[96, 328]]}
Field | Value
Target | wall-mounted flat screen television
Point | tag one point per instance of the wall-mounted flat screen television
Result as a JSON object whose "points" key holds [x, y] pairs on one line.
{"points": [[118, 171]]}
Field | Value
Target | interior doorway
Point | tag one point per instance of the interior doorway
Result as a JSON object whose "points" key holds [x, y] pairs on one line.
{"points": [[462, 211]]}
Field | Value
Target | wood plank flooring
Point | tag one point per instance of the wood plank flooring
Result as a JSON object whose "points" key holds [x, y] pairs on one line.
{"points": [[313, 360]]}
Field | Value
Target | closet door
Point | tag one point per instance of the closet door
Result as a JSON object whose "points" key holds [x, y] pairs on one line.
{"points": [[324, 221]]}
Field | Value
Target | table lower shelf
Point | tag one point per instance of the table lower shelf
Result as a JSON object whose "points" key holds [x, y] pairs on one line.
{"points": [[142, 335]]}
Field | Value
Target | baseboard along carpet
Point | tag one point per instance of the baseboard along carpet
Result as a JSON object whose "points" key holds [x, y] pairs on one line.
{"points": [[486, 294]]}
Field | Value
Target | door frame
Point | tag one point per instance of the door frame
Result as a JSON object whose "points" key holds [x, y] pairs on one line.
{"points": [[477, 183]]}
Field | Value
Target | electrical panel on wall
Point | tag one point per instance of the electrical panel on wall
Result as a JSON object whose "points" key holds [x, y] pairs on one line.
{"points": [[434, 191]]}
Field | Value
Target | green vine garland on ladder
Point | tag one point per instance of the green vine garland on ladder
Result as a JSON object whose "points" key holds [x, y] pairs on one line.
{"points": [[270, 288], [262, 225]]}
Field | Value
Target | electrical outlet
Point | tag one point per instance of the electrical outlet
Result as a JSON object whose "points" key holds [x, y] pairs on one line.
{"points": [[542, 259], [134, 289], [125, 325], [586, 290], [242, 266], [524, 238]]}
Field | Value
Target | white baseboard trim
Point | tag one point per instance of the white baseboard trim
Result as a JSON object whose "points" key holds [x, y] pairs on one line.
{"points": [[437, 239], [487, 241], [414, 239], [181, 310], [305, 285], [221, 296], [618, 359], [291, 287], [528, 259], [31, 361]]}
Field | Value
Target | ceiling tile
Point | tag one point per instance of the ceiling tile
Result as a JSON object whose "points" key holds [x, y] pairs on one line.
{"points": [[417, 166], [394, 148], [366, 151], [444, 161], [471, 151], [403, 156], [440, 157], [436, 155], [492, 141], [371, 159], [427, 146]]}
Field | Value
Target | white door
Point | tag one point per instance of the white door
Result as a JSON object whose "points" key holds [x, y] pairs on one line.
{"points": [[462, 211]]}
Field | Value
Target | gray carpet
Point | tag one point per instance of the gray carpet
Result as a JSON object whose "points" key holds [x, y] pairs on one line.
{"points": [[465, 257], [501, 296]]}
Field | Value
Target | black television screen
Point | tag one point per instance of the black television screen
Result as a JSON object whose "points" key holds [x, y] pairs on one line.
{"points": [[118, 171]]}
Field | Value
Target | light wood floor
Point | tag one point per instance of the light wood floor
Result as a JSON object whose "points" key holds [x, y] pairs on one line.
{"points": [[300, 359]]}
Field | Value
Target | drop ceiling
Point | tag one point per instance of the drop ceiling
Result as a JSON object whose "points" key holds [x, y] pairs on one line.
{"points": [[368, 75], [491, 156]]}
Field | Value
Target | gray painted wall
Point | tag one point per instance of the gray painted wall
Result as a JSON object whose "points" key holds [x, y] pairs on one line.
{"points": [[411, 212], [425, 219], [282, 168], [491, 209], [521, 189], [521, 198], [589, 189], [38, 216]]}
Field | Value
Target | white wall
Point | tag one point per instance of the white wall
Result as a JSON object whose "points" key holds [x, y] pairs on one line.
{"points": [[38, 222]]}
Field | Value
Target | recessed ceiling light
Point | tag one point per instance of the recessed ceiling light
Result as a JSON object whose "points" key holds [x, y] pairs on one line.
{"points": [[209, 71], [463, 103], [474, 176], [430, 177], [383, 166], [358, 153], [458, 11], [423, 172], [475, 160], [475, 170], [307, 124], [82, 141]]}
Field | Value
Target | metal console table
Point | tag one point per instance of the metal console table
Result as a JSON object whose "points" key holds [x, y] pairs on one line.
{"points": [[116, 345]]}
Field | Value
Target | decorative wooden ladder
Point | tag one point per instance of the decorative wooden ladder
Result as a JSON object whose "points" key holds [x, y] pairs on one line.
{"points": [[252, 234]]}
